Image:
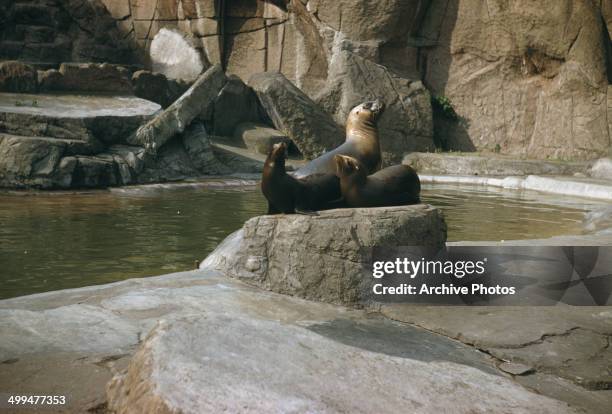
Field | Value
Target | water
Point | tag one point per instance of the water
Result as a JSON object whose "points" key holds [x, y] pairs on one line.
{"points": [[56, 241]]}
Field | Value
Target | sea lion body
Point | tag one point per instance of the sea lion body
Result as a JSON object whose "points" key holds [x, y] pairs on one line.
{"points": [[287, 194], [361, 142], [391, 186]]}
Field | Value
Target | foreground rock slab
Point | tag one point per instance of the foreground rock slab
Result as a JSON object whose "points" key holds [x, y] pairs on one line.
{"points": [[219, 363], [322, 257], [292, 112]]}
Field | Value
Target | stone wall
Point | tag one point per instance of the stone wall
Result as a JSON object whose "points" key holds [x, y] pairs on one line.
{"points": [[49, 32], [524, 78]]}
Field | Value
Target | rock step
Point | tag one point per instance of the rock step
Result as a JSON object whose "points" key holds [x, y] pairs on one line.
{"points": [[97, 120]]}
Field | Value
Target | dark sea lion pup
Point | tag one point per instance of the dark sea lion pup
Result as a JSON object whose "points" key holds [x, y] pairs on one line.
{"points": [[391, 186], [287, 194], [361, 142]]}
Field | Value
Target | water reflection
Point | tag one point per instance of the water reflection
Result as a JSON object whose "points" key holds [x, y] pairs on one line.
{"points": [[50, 242]]}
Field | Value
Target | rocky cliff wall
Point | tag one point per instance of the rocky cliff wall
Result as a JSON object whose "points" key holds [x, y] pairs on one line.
{"points": [[522, 77]]}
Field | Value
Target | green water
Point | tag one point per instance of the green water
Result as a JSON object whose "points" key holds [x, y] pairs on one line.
{"points": [[57, 241]]}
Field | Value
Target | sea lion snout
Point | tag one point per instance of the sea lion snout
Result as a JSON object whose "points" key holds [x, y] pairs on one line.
{"points": [[377, 106], [278, 151]]}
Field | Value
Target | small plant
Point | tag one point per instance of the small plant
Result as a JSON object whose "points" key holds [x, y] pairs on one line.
{"points": [[19, 103], [497, 149], [441, 105]]}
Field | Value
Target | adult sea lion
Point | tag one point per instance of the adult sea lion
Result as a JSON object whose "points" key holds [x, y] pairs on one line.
{"points": [[287, 194], [391, 186], [361, 142]]}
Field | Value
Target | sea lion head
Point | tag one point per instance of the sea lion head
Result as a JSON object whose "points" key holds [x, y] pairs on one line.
{"points": [[348, 167], [277, 155], [367, 112]]}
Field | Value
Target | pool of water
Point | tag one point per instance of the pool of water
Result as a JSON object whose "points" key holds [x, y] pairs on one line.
{"points": [[56, 241]]}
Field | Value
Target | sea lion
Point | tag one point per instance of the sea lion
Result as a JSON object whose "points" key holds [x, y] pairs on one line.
{"points": [[391, 186], [361, 142], [287, 194]]}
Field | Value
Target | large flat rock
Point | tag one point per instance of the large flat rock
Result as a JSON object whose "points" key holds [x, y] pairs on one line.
{"points": [[93, 119], [323, 257], [217, 342], [220, 363]]}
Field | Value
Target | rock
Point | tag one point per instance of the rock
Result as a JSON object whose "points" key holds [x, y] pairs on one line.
{"points": [[235, 104], [537, 91], [29, 161], [259, 138], [157, 88], [197, 100], [174, 55], [227, 343], [87, 77], [514, 368], [18, 77], [93, 120], [488, 164], [95, 171], [198, 147], [219, 363], [322, 257], [293, 113], [171, 163], [406, 123], [602, 168]]}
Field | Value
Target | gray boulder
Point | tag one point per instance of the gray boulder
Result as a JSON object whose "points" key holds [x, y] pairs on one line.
{"points": [[157, 88], [197, 144], [258, 137], [292, 112], [29, 161], [235, 104], [217, 362], [406, 124], [322, 257], [17, 77], [196, 101]]}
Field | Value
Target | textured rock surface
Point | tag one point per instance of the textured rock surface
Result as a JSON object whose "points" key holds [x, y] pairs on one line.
{"points": [[236, 103], [406, 123], [527, 77], [311, 129], [157, 88], [489, 164], [322, 257], [524, 79], [56, 31], [203, 364], [18, 77], [95, 331], [551, 332], [259, 138], [87, 77], [196, 101]]}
